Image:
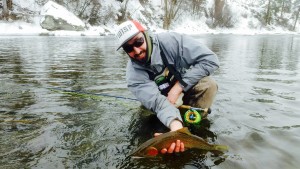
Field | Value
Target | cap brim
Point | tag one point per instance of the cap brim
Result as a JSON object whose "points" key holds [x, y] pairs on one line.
{"points": [[127, 40]]}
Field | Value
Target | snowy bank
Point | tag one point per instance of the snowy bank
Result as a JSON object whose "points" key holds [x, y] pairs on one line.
{"points": [[186, 26]]}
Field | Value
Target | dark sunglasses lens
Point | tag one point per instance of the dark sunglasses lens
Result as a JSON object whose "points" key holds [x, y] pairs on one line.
{"points": [[139, 42], [128, 48]]}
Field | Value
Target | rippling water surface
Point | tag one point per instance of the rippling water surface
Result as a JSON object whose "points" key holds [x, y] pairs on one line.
{"points": [[56, 110]]}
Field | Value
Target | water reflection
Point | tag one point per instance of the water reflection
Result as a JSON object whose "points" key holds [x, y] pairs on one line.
{"points": [[44, 125]]}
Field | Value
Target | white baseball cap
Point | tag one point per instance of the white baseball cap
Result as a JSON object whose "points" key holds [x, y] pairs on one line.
{"points": [[128, 30]]}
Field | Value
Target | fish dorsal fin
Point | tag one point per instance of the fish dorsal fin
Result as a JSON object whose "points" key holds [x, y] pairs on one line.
{"points": [[185, 130]]}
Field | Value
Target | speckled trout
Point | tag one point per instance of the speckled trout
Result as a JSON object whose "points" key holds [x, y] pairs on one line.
{"points": [[152, 147]]}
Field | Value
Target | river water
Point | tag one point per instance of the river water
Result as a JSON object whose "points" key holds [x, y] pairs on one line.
{"points": [[64, 104]]}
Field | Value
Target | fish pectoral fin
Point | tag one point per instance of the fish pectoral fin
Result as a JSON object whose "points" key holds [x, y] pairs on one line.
{"points": [[152, 151]]}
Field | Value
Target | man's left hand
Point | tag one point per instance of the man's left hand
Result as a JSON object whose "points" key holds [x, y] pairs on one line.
{"points": [[177, 146], [174, 93]]}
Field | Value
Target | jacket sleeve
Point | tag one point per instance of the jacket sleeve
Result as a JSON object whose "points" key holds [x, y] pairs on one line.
{"points": [[192, 59], [198, 60], [146, 91]]}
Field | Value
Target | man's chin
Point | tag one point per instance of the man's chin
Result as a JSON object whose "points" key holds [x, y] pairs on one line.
{"points": [[144, 60], [141, 61]]}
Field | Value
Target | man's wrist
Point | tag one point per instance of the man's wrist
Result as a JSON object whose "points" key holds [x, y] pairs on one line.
{"points": [[175, 125], [178, 88]]}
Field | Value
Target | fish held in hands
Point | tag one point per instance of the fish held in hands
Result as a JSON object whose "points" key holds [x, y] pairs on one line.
{"points": [[152, 147]]}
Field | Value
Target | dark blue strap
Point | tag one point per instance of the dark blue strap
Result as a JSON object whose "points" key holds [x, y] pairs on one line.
{"points": [[171, 67]]}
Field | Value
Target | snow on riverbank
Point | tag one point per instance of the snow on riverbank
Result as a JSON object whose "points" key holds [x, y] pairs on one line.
{"points": [[26, 29]]}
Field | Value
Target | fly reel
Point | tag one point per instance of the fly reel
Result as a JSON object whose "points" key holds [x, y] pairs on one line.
{"points": [[192, 117]]}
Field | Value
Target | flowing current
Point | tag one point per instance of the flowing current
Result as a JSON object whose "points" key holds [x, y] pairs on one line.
{"points": [[64, 104]]}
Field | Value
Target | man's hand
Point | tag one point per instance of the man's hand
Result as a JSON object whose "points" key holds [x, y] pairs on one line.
{"points": [[174, 93], [177, 146]]}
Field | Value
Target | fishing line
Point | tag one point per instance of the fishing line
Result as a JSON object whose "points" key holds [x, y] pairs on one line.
{"points": [[91, 94], [79, 92]]}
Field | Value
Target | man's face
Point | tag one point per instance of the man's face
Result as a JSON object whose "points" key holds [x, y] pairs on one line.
{"points": [[136, 48]]}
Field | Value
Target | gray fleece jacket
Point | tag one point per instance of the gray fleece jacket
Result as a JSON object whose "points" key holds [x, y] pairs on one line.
{"points": [[190, 58]]}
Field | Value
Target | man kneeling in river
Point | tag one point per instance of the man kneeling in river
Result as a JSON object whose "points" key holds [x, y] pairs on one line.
{"points": [[165, 70]]}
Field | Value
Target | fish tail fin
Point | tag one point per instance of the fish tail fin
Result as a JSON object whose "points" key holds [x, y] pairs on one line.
{"points": [[221, 148]]}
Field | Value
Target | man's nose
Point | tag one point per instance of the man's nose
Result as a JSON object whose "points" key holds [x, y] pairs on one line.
{"points": [[136, 50]]}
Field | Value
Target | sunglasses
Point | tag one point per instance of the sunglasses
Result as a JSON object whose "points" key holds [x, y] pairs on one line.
{"points": [[137, 43]]}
